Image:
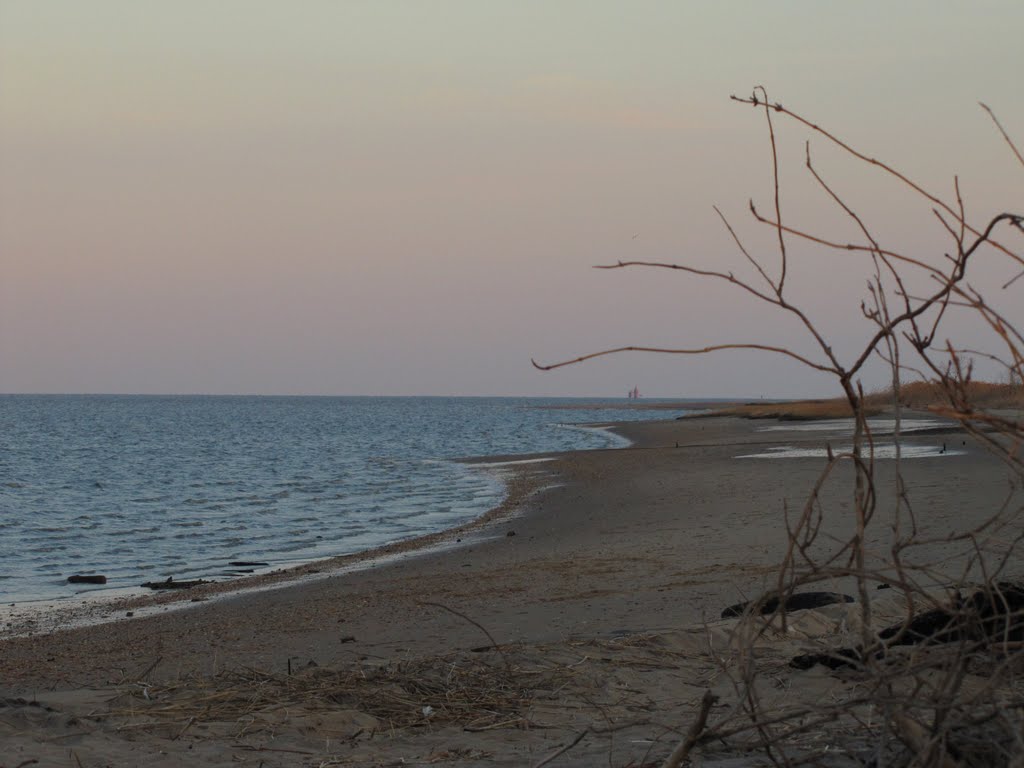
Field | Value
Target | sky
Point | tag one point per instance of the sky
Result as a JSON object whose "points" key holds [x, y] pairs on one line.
{"points": [[408, 198]]}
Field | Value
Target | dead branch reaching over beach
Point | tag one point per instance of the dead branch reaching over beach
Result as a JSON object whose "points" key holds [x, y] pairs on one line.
{"points": [[942, 685]]}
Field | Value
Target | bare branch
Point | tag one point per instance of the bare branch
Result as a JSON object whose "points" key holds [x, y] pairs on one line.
{"points": [[775, 184], [1002, 131], [695, 351], [727, 276], [743, 250], [878, 164]]}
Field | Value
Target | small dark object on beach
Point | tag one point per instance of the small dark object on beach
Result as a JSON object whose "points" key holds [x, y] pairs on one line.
{"points": [[798, 602], [129, 614], [20, 702], [843, 657], [348, 639], [172, 584], [248, 563], [511, 533], [883, 585], [81, 578], [484, 648]]}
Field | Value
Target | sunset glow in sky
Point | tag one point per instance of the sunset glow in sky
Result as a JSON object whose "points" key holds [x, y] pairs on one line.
{"points": [[408, 197]]}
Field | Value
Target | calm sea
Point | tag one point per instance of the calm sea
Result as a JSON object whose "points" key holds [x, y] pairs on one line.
{"points": [[140, 488]]}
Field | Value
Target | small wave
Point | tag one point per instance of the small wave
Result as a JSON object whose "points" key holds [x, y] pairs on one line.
{"points": [[44, 549], [511, 462]]}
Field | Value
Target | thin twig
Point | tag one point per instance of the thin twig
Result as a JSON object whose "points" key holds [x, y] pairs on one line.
{"points": [[681, 752], [562, 750], [478, 625], [1002, 131]]}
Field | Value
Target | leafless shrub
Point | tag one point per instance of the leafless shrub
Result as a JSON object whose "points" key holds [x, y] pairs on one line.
{"points": [[940, 694]]}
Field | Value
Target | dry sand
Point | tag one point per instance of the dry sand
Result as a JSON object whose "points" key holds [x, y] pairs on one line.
{"points": [[601, 580]]}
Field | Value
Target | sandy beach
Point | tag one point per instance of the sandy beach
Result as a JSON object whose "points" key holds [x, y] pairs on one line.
{"points": [[601, 581]]}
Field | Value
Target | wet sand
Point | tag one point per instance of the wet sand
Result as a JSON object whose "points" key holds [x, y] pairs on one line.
{"points": [[621, 555]]}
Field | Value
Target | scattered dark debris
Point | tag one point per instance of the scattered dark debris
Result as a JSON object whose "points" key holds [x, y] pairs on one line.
{"points": [[170, 583], [798, 602]]}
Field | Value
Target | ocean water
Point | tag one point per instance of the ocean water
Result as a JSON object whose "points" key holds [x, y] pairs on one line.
{"points": [[141, 488]]}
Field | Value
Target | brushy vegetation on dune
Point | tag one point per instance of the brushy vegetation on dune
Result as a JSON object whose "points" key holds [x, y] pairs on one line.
{"points": [[918, 395], [932, 395], [796, 410]]}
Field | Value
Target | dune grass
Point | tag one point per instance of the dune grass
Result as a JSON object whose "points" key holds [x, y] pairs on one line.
{"points": [[794, 410], [918, 395], [982, 395]]}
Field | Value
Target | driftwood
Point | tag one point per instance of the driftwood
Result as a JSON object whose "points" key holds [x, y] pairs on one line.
{"points": [[987, 616], [996, 613], [172, 584]]}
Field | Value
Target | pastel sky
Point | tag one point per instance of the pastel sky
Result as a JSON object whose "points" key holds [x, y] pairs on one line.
{"points": [[408, 197]]}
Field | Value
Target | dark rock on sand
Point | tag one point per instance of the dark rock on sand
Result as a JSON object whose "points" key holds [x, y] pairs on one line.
{"points": [[798, 602], [248, 563], [87, 578]]}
